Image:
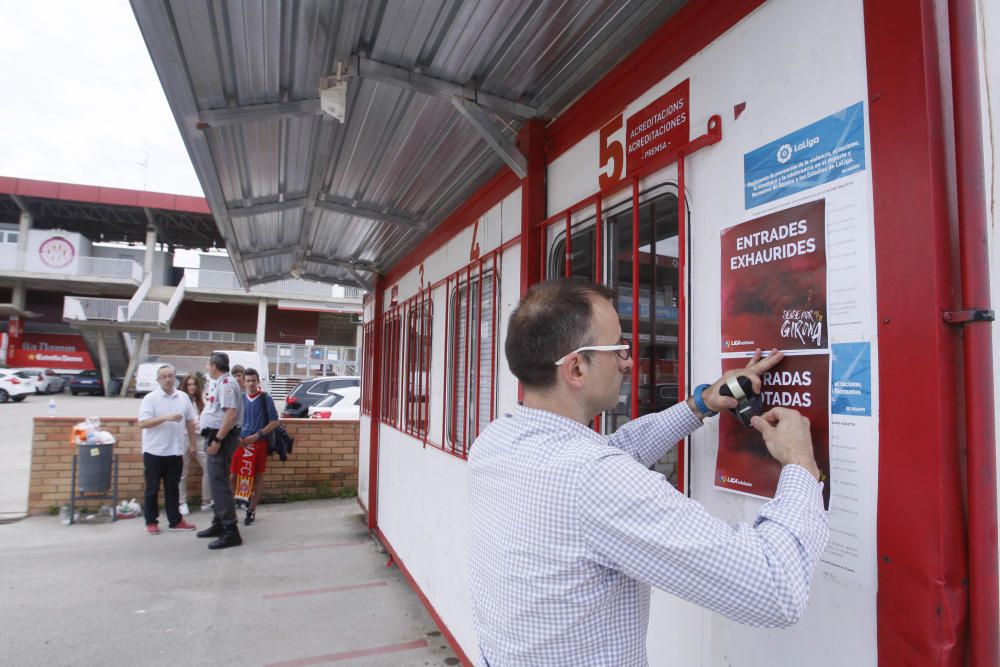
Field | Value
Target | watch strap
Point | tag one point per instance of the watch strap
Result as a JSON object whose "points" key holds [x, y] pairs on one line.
{"points": [[699, 401]]}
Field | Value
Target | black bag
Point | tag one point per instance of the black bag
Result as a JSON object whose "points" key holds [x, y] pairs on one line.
{"points": [[280, 443]]}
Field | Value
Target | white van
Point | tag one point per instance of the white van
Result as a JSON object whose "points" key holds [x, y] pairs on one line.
{"points": [[145, 378], [251, 359]]}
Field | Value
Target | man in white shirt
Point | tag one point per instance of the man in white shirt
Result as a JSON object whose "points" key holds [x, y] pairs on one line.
{"points": [[164, 416], [569, 528]]}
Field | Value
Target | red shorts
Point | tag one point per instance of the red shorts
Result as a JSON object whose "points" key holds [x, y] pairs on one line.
{"points": [[246, 459]]}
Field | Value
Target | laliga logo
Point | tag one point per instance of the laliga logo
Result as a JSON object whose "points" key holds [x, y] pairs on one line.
{"points": [[784, 153]]}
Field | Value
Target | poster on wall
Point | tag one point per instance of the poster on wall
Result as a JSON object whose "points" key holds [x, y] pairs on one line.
{"points": [[800, 382], [812, 156], [774, 281]]}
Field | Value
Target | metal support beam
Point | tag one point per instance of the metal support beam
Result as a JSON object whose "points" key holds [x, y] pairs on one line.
{"points": [[366, 284], [491, 134], [150, 255], [261, 328], [340, 263], [331, 281], [23, 227], [102, 356], [345, 207], [133, 363], [256, 113], [21, 204], [428, 85], [270, 207], [270, 252]]}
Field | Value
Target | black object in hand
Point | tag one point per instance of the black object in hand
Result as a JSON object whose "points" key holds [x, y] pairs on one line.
{"points": [[749, 403]]}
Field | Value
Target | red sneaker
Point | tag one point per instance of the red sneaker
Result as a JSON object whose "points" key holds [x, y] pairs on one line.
{"points": [[152, 529], [182, 525]]}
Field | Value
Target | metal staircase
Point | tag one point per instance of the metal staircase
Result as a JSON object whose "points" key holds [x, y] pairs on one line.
{"points": [[116, 330]]}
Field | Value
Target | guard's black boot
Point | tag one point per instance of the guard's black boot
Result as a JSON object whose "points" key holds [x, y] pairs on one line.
{"points": [[230, 538], [212, 531], [251, 515]]}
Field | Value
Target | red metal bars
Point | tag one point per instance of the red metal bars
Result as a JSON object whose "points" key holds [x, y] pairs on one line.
{"points": [[977, 347], [681, 302], [598, 264], [468, 345], [635, 298], [479, 349], [493, 332], [418, 321], [569, 244]]}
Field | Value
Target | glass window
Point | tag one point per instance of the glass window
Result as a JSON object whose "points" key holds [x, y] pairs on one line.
{"points": [[471, 357], [656, 354]]}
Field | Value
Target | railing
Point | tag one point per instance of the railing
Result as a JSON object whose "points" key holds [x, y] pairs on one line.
{"points": [[84, 265], [208, 279], [8, 255], [112, 310], [312, 361], [106, 267]]}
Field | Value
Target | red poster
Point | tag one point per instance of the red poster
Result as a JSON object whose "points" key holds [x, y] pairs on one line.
{"points": [[55, 351], [659, 127], [774, 281], [799, 382]]}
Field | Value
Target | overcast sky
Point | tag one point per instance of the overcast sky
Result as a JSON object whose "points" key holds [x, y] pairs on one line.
{"points": [[82, 102]]}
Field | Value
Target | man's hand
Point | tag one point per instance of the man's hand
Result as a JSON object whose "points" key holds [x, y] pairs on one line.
{"points": [[192, 451], [787, 437], [214, 448], [175, 417], [757, 366]]}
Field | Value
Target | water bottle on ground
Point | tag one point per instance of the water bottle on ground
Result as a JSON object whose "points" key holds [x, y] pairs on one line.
{"points": [[52, 407]]}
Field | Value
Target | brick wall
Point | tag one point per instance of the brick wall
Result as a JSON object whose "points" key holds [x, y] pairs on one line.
{"points": [[173, 347], [324, 461]]}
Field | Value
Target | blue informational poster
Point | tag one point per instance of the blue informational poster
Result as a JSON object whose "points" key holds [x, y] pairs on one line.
{"points": [[851, 380], [814, 155]]}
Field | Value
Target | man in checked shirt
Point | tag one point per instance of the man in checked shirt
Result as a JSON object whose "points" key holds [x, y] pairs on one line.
{"points": [[569, 529]]}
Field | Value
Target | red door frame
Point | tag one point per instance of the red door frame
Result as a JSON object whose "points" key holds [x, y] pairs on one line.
{"points": [[923, 573]]}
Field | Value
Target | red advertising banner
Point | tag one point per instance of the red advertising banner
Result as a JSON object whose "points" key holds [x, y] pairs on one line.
{"points": [[56, 351], [800, 382], [658, 127], [774, 281]]}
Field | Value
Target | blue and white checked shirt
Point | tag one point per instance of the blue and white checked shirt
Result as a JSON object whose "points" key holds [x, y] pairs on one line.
{"points": [[569, 529]]}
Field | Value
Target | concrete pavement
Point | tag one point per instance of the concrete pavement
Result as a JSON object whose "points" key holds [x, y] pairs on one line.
{"points": [[307, 587]]}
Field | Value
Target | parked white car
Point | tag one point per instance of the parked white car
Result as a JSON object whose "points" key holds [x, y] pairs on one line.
{"points": [[14, 388], [145, 378], [47, 381], [343, 403]]}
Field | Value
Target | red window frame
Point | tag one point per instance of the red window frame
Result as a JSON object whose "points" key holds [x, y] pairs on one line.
{"points": [[391, 347], [418, 318], [473, 313], [367, 366]]}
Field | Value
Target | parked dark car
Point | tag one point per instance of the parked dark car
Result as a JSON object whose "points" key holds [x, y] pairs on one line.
{"points": [[312, 391], [90, 382]]}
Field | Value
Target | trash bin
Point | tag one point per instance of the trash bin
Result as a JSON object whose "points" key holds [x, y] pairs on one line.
{"points": [[95, 456], [94, 467]]}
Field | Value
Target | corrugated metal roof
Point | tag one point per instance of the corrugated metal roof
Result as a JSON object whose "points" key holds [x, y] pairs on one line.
{"points": [[402, 154]]}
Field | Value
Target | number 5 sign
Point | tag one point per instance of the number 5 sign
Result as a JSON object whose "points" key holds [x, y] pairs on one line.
{"points": [[612, 150]]}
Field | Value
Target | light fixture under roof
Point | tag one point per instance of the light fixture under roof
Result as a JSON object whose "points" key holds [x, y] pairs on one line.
{"points": [[333, 94]]}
